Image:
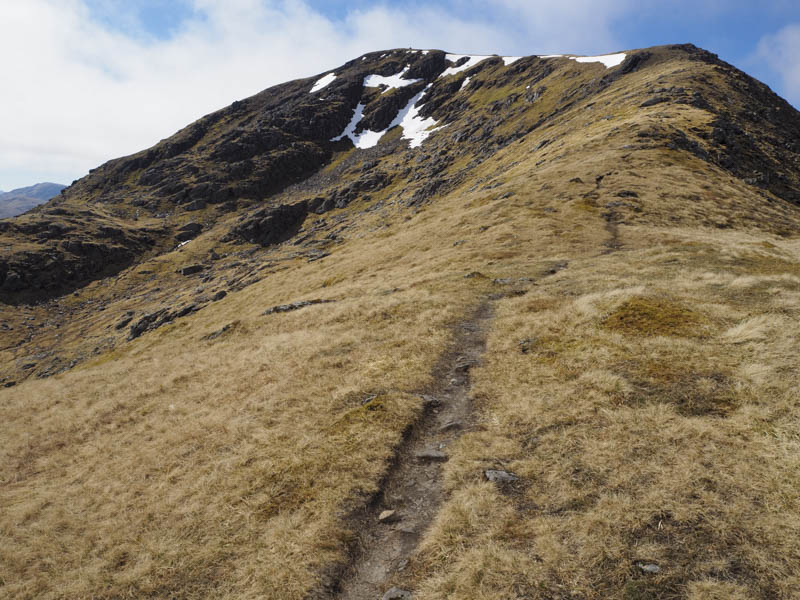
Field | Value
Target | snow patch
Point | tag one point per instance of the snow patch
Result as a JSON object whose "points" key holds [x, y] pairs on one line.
{"points": [[473, 60], [510, 60], [465, 83], [609, 60], [393, 81], [365, 139], [415, 128], [323, 81]]}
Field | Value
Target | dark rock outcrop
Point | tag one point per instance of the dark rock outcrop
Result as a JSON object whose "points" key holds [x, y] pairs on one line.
{"points": [[270, 226]]}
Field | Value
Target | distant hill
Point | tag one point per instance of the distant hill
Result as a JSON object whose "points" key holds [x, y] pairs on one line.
{"points": [[22, 200]]}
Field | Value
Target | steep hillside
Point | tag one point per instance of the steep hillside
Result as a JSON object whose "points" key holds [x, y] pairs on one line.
{"points": [[20, 200], [542, 308]]}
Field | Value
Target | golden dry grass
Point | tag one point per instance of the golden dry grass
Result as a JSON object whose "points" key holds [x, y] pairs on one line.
{"points": [[214, 467], [645, 446]]}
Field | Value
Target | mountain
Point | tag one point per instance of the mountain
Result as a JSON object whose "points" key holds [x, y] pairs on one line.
{"points": [[21, 200], [431, 324]]}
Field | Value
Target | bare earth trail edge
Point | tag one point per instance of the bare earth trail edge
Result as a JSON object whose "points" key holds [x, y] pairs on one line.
{"points": [[413, 485]]}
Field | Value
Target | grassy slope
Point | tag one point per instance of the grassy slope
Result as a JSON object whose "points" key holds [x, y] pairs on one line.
{"points": [[652, 416]]}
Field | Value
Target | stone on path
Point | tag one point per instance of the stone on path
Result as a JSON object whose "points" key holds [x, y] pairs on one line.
{"points": [[388, 516], [500, 476], [432, 455], [450, 425], [396, 593]]}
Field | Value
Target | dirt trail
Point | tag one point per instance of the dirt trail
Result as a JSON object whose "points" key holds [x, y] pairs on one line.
{"points": [[413, 486]]}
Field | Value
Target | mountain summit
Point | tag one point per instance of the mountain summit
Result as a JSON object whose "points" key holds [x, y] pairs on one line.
{"points": [[385, 103], [425, 325]]}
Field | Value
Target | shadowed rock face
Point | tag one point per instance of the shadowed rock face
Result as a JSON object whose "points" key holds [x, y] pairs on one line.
{"points": [[271, 225], [64, 254], [241, 157]]}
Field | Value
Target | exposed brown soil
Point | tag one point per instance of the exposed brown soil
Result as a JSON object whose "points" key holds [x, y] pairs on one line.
{"points": [[413, 486]]}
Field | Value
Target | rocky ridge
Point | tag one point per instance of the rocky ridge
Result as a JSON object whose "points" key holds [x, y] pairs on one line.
{"points": [[239, 160]]}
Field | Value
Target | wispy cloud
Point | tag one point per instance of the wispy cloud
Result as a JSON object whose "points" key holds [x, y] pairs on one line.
{"points": [[781, 53]]}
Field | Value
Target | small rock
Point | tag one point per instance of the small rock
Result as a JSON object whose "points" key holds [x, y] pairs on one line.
{"points": [[498, 476], [193, 227], [527, 344], [219, 295], [465, 364], [318, 256], [653, 101], [293, 306], [649, 568], [388, 516], [195, 205], [396, 593], [450, 425], [430, 400], [124, 322], [191, 269], [188, 232], [408, 529], [214, 335], [432, 455], [186, 310]]}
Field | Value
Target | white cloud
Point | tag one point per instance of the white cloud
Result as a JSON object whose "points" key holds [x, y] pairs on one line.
{"points": [[781, 53], [77, 92], [556, 26]]}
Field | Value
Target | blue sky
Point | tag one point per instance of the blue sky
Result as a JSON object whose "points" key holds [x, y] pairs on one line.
{"points": [[97, 79]]}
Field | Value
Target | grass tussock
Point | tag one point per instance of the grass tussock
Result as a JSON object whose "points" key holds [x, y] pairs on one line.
{"points": [[654, 316]]}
